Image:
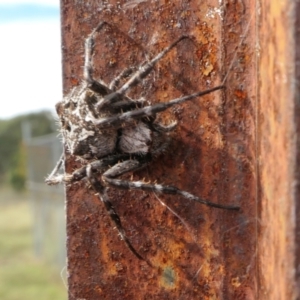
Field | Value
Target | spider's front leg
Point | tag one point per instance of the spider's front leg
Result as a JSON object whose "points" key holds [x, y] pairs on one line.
{"points": [[54, 177], [129, 117], [124, 103], [127, 166], [115, 82], [94, 85], [102, 193], [138, 76]]}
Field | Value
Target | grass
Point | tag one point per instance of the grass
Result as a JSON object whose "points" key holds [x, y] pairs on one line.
{"points": [[22, 276]]}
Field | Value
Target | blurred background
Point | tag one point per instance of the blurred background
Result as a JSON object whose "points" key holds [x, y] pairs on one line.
{"points": [[32, 215]]}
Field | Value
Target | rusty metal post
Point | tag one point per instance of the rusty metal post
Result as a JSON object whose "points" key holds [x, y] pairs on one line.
{"points": [[277, 131], [236, 146]]}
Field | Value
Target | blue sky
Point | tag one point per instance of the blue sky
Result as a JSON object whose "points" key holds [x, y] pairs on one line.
{"points": [[30, 56], [12, 12]]}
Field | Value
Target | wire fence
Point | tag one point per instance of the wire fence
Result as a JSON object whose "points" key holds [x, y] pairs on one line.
{"points": [[48, 205]]}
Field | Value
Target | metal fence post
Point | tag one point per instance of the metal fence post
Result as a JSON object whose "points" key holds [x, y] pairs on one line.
{"points": [[239, 146]]}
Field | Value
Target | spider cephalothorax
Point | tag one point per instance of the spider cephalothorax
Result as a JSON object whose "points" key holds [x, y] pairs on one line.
{"points": [[80, 135], [113, 134]]}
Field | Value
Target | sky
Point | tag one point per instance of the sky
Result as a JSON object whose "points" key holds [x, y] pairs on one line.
{"points": [[30, 56]]}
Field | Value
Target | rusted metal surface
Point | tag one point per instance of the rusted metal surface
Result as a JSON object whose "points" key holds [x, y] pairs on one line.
{"points": [[240, 104], [206, 253], [277, 150], [297, 122]]}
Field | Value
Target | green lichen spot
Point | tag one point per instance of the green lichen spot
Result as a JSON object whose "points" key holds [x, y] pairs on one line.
{"points": [[168, 277]]}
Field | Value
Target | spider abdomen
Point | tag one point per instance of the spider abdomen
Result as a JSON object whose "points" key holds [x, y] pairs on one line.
{"points": [[136, 139]]}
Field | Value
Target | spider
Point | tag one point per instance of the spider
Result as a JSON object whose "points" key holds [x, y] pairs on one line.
{"points": [[113, 134]]}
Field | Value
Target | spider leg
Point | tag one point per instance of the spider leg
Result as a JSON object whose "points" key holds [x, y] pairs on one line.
{"points": [[115, 82], [100, 87], [130, 116], [127, 105], [122, 168], [53, 178], [131, 165], [162, 128], [143, 71], [99, 166], [124, 103], [102, 193], [94, 85]]}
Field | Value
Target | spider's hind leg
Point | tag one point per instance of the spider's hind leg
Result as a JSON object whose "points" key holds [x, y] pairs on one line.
{"points": [[102, 193], [110, 177]]}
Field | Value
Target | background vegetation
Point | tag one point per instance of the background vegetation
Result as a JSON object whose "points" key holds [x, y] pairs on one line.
{"points": [[12, 151]]}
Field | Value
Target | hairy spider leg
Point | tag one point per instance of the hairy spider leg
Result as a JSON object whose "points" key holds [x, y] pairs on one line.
{"points": [[148, 67], [53, 175], [143, 71], [102, 194], [99, 166], [94, 85], [125, 73], [164, 128], [129, 117], [101, 88], [125, 103], [132, 165]]}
